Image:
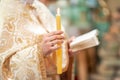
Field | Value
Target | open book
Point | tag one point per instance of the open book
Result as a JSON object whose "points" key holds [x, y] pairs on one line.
{"points": [[85, 41]]}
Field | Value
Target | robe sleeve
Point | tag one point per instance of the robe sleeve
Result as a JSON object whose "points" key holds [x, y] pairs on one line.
{"points": [[20, 56]]}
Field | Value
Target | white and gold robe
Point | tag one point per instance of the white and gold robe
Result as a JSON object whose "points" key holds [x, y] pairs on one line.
{"points": [[21, 28]]}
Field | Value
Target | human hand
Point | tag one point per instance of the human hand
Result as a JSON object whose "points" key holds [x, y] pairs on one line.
{"points": [[50, 40], [71, 53]]}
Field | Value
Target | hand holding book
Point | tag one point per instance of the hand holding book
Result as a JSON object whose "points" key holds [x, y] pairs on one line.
{"points": [[85, 41]]}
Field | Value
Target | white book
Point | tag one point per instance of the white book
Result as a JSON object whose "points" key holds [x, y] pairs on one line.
{"points": [[85, 41]]}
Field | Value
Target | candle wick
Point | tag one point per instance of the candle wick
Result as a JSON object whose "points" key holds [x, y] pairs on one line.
{"points": [[58, 11]]}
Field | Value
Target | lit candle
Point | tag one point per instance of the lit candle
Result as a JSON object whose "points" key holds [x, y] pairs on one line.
{"points": [[59, 51]]}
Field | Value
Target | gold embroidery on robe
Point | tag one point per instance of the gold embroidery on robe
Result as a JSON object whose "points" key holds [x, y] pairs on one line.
{"points": [[21, 28]]}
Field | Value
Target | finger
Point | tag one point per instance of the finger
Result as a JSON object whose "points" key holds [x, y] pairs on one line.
{"points": [[71, 39], [71, 53], [56, 42], [55, 33], [56, 37], [54, 48]]}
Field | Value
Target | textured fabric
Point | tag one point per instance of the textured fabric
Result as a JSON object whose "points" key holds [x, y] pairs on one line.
{"points": [[21, 28]]}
